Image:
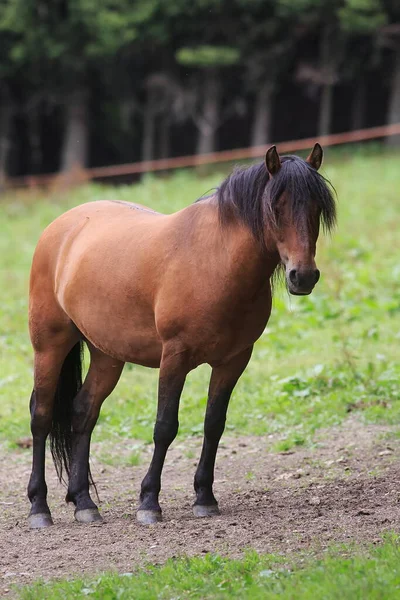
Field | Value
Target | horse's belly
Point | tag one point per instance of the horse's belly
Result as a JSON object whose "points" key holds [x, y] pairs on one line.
{"points": [[128, 335], [146, 353], [138, 347]]}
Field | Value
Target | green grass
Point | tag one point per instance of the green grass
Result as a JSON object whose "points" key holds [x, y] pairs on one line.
{"points": [[344, 574], [321, 357]]}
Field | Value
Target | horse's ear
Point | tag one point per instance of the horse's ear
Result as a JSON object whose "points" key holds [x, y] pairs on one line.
{"points": [[315, 157], [272, 161]]}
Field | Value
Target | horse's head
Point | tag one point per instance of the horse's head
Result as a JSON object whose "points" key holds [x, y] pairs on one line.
{"points": [[297, 199]]}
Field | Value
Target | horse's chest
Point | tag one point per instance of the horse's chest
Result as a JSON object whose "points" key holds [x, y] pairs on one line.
{"points": [[247, 323], [225, 334]]}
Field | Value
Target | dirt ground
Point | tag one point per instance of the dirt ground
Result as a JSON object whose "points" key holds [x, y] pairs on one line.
{"points": [[345, 488]]}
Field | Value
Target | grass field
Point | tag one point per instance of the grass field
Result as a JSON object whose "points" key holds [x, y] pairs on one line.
{"points": [[346, 573], [320, 358]]}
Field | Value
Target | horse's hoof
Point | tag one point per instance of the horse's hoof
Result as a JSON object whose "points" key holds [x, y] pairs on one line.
{"points": [[40, 521], [206, 511], [148, 517], [88, 515]]}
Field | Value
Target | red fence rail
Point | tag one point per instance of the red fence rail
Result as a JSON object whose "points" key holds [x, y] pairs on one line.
{"points": [[215, 157]]}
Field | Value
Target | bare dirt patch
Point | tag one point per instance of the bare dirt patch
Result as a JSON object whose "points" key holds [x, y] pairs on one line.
{"points": [[345, 488]]}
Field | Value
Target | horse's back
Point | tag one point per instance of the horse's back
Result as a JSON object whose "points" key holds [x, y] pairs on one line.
{"points": [[102, 210], [94, 225]]}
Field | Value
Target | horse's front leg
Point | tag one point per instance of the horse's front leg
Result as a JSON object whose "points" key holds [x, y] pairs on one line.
{"points": [[173, 370], [223, 380]]}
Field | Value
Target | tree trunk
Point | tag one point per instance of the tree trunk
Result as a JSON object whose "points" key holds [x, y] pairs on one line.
{"points": [[75, 145], [394, 103], [358, 107], [165, 137], [149, 122], [325, 110], [34, 141], [5, 127], [327, 70], [210, 117], [261, 133]]}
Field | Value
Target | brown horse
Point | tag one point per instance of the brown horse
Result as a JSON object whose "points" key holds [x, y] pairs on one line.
{"points": [[168, 291]]}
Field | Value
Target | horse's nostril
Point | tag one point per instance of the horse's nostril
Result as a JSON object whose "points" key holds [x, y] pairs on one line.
{"points": [[303, 279]]}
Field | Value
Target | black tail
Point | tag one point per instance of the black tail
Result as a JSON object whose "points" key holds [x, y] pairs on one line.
{"points": [[69, 384]]}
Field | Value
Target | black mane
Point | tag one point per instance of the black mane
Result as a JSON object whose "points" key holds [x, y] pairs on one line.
{"points": [[252, 196]]}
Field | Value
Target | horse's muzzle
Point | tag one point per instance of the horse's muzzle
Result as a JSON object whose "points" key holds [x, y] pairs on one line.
{"points": [[302, 282]]}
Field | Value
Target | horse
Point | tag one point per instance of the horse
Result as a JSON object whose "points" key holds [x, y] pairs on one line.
{"points": [[163, 291]]}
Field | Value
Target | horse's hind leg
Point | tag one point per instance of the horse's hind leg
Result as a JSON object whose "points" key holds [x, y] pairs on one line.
{"points": [[48, 361], [223, 380], [103, 375]]}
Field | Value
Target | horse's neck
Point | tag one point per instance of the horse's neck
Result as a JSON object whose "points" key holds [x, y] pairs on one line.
{"points": [[231, 248], [250, 260]]}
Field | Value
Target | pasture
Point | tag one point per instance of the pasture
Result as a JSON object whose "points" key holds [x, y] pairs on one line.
{"points": [[308, 459]]}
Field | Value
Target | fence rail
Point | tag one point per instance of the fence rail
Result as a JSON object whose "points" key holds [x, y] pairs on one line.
{"points": [[215, 157]]}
